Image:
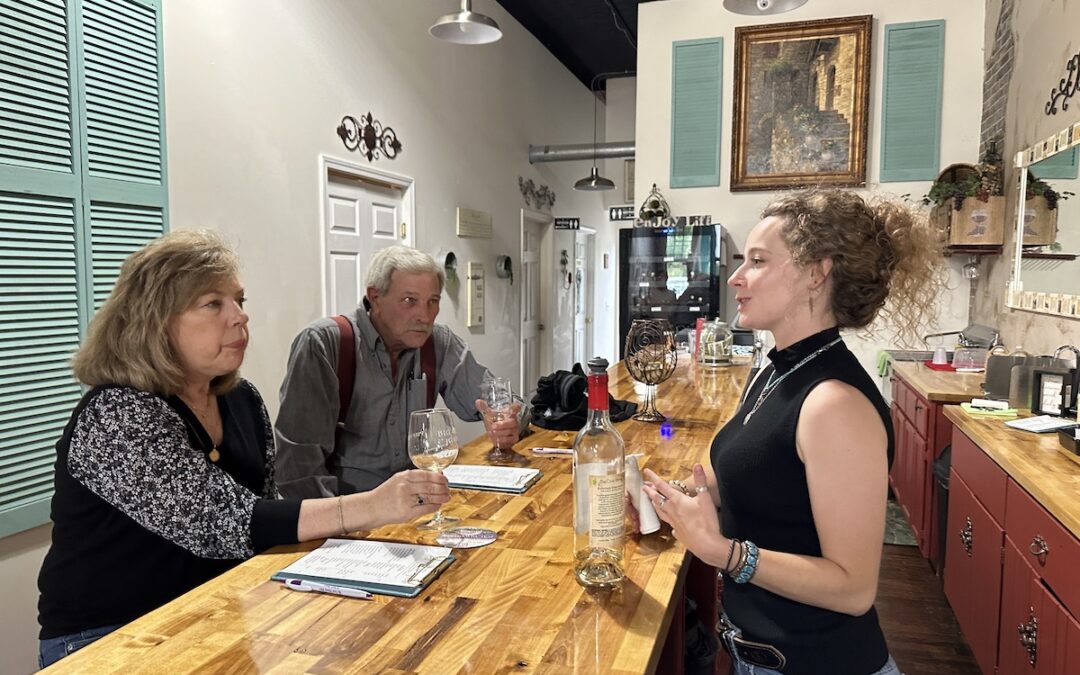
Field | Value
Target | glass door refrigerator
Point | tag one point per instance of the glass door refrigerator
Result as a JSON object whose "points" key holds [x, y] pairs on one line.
{"points": [[673, 273]]}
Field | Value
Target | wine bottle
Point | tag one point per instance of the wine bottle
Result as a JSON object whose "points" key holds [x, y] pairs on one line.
{"points": [[599, 486]]}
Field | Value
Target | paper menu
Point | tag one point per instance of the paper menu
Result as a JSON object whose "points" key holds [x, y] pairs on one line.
{"points": [[374, 565], [496, 478]]}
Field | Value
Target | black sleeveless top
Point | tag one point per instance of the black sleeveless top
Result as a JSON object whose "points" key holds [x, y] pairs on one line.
{"points": [[764, 498]]}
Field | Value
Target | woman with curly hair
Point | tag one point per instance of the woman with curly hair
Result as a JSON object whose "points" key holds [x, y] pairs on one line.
{"points": [[791, 508]]}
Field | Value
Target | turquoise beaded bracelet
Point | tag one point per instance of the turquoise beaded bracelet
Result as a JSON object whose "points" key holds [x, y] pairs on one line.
{"points": [[748, 570]]}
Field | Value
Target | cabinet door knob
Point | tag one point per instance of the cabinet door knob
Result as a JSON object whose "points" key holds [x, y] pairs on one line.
{"points": [[1039, 548], [1029, 635], [966, 536]]}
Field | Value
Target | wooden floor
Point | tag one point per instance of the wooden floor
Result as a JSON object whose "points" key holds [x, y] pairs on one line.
{"points": [[918, 623]]}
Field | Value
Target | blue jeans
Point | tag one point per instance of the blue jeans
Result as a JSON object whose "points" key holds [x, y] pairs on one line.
{"points": [[740, 667], [53, 649]]}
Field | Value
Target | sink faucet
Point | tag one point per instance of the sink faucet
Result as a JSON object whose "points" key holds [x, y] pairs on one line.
{"points": [[1069, 348]]}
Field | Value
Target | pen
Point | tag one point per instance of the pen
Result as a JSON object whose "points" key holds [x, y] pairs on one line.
{"points": [[316, 587], [553, 451]]}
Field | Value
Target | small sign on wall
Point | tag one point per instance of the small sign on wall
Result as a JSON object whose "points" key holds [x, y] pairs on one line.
{"points": [[675, 221], [621, 212], [568, 223]]}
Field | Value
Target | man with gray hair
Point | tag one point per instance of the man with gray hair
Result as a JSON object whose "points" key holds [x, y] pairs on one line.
{"points": [[322, 451]]}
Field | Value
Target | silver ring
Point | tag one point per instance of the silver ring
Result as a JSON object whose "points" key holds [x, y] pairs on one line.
{"points": [[419, 500], [699, 489], [660, 503], [681, 486]]}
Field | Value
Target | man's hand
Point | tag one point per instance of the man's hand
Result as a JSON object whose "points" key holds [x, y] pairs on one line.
{"points": [[502, 427]]}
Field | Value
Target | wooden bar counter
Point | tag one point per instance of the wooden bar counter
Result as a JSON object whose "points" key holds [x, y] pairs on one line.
{"points": [[512, 606]]}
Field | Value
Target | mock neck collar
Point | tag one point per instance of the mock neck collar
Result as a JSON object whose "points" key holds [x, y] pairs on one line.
{"points": [[784, 359]]}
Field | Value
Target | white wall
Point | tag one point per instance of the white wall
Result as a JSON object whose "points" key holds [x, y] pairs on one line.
{"points": [[20, 559], [661, 23], [254, 91]]}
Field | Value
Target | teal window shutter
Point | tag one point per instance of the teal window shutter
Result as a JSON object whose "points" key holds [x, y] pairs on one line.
{"points": [[696, 78], [911, 101], [1061, 165], [39, 330], [82, 184]]}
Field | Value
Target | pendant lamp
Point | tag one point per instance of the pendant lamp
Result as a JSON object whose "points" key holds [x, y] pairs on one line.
{"points": [[762, 7], [466, 27], [594, 181]]}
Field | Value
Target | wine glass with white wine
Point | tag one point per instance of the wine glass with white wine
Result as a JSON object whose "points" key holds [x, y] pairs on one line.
{"points": [[433, 446]]}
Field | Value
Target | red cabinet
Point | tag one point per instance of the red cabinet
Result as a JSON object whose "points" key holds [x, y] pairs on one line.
{"points": [[1038, 635], [921, 433], [1012, 571], [973, 570]]}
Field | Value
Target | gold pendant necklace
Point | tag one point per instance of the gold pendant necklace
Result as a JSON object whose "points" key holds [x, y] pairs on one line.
{"points": [[213, 455]]}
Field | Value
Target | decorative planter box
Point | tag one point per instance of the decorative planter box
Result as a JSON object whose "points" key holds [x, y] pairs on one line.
{"points": [[977, 223], [1040, 223]]}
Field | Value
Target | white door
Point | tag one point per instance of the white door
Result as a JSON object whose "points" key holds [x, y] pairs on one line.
{"points": [[533, 227], [583, 295], [363, 212]]}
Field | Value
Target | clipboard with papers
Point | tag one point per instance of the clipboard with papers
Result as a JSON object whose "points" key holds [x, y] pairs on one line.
{"points": [[491, 478], [380, 567]]}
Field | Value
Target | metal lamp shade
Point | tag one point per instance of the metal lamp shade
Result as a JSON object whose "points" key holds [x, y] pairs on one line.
{"points": [[762, 7], [594, 182], [466, 27]]}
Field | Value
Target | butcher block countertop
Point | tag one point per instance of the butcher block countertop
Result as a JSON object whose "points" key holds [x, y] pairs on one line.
{"points": [[1035, 461], [937, 385]]}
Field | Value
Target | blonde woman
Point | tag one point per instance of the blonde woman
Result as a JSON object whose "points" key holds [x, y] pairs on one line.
{"points": [[165, 472], [800, 473]]}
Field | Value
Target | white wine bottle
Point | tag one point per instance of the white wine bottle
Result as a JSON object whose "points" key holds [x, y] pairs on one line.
{"points": [[599, 486]]}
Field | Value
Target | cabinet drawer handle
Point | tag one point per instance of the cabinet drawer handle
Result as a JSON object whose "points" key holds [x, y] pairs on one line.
{"points": [[1039, 548], [966, 536], [918, 407], [1029, 635]]}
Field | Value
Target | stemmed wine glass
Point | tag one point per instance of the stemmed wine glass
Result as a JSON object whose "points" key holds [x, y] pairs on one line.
{"points": [[433, 446], [499, 398]]}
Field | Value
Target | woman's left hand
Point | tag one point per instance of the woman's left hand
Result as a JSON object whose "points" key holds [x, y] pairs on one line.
{"points": [[693, 518]]}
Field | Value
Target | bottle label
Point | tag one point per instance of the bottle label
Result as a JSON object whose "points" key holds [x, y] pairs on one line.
{"points": [[606, 510]]}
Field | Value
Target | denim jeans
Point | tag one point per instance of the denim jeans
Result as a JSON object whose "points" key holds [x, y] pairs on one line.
{"points": [[53, 649], [740, 667]]}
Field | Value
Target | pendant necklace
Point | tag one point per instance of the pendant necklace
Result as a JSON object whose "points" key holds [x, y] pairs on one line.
{"points": [[770, 385], [213, 455]]}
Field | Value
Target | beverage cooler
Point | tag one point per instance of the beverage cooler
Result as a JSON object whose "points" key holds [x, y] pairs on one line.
{"points": [[673, 273]]}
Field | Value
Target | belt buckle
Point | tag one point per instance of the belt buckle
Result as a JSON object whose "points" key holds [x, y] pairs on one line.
{"points": [[759, 654], [754, 653]]}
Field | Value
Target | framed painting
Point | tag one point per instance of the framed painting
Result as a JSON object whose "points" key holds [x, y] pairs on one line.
{"points": [[802, 95]]}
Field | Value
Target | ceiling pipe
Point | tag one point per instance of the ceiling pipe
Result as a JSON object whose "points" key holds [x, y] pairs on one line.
{"points": [[580, 151]]}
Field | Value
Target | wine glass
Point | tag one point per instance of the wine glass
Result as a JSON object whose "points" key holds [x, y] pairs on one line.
{"points": [[433, 446], [499, 398], [650, 359]]}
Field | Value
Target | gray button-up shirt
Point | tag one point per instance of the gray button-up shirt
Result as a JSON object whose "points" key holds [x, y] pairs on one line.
{"points": [[372, 445]]}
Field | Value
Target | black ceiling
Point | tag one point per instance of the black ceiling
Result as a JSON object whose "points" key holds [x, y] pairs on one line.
{"points": [[589, 37]]}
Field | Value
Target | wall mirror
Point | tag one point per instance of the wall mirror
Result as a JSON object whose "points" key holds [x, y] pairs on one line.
{"points": [[1046, 268]]}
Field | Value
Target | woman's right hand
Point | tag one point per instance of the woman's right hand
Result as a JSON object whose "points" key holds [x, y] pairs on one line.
{"points": [[408, 495]]}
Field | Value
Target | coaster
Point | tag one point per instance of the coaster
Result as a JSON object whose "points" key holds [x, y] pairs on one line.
{"points": [[465, 537]]}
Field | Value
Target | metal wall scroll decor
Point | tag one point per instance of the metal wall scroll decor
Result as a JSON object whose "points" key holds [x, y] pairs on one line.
{"points": [[1066, 87], [541, 197], [369, 137]]}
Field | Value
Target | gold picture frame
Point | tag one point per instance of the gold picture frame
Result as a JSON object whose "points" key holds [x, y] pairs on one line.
{"points": [[802, 97]]}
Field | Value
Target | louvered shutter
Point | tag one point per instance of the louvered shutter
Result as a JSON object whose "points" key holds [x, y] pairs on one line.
{"points": [[82, 184], [117, 230], [39, 330], [911, 101], [1061, 165], [696, 78]]}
